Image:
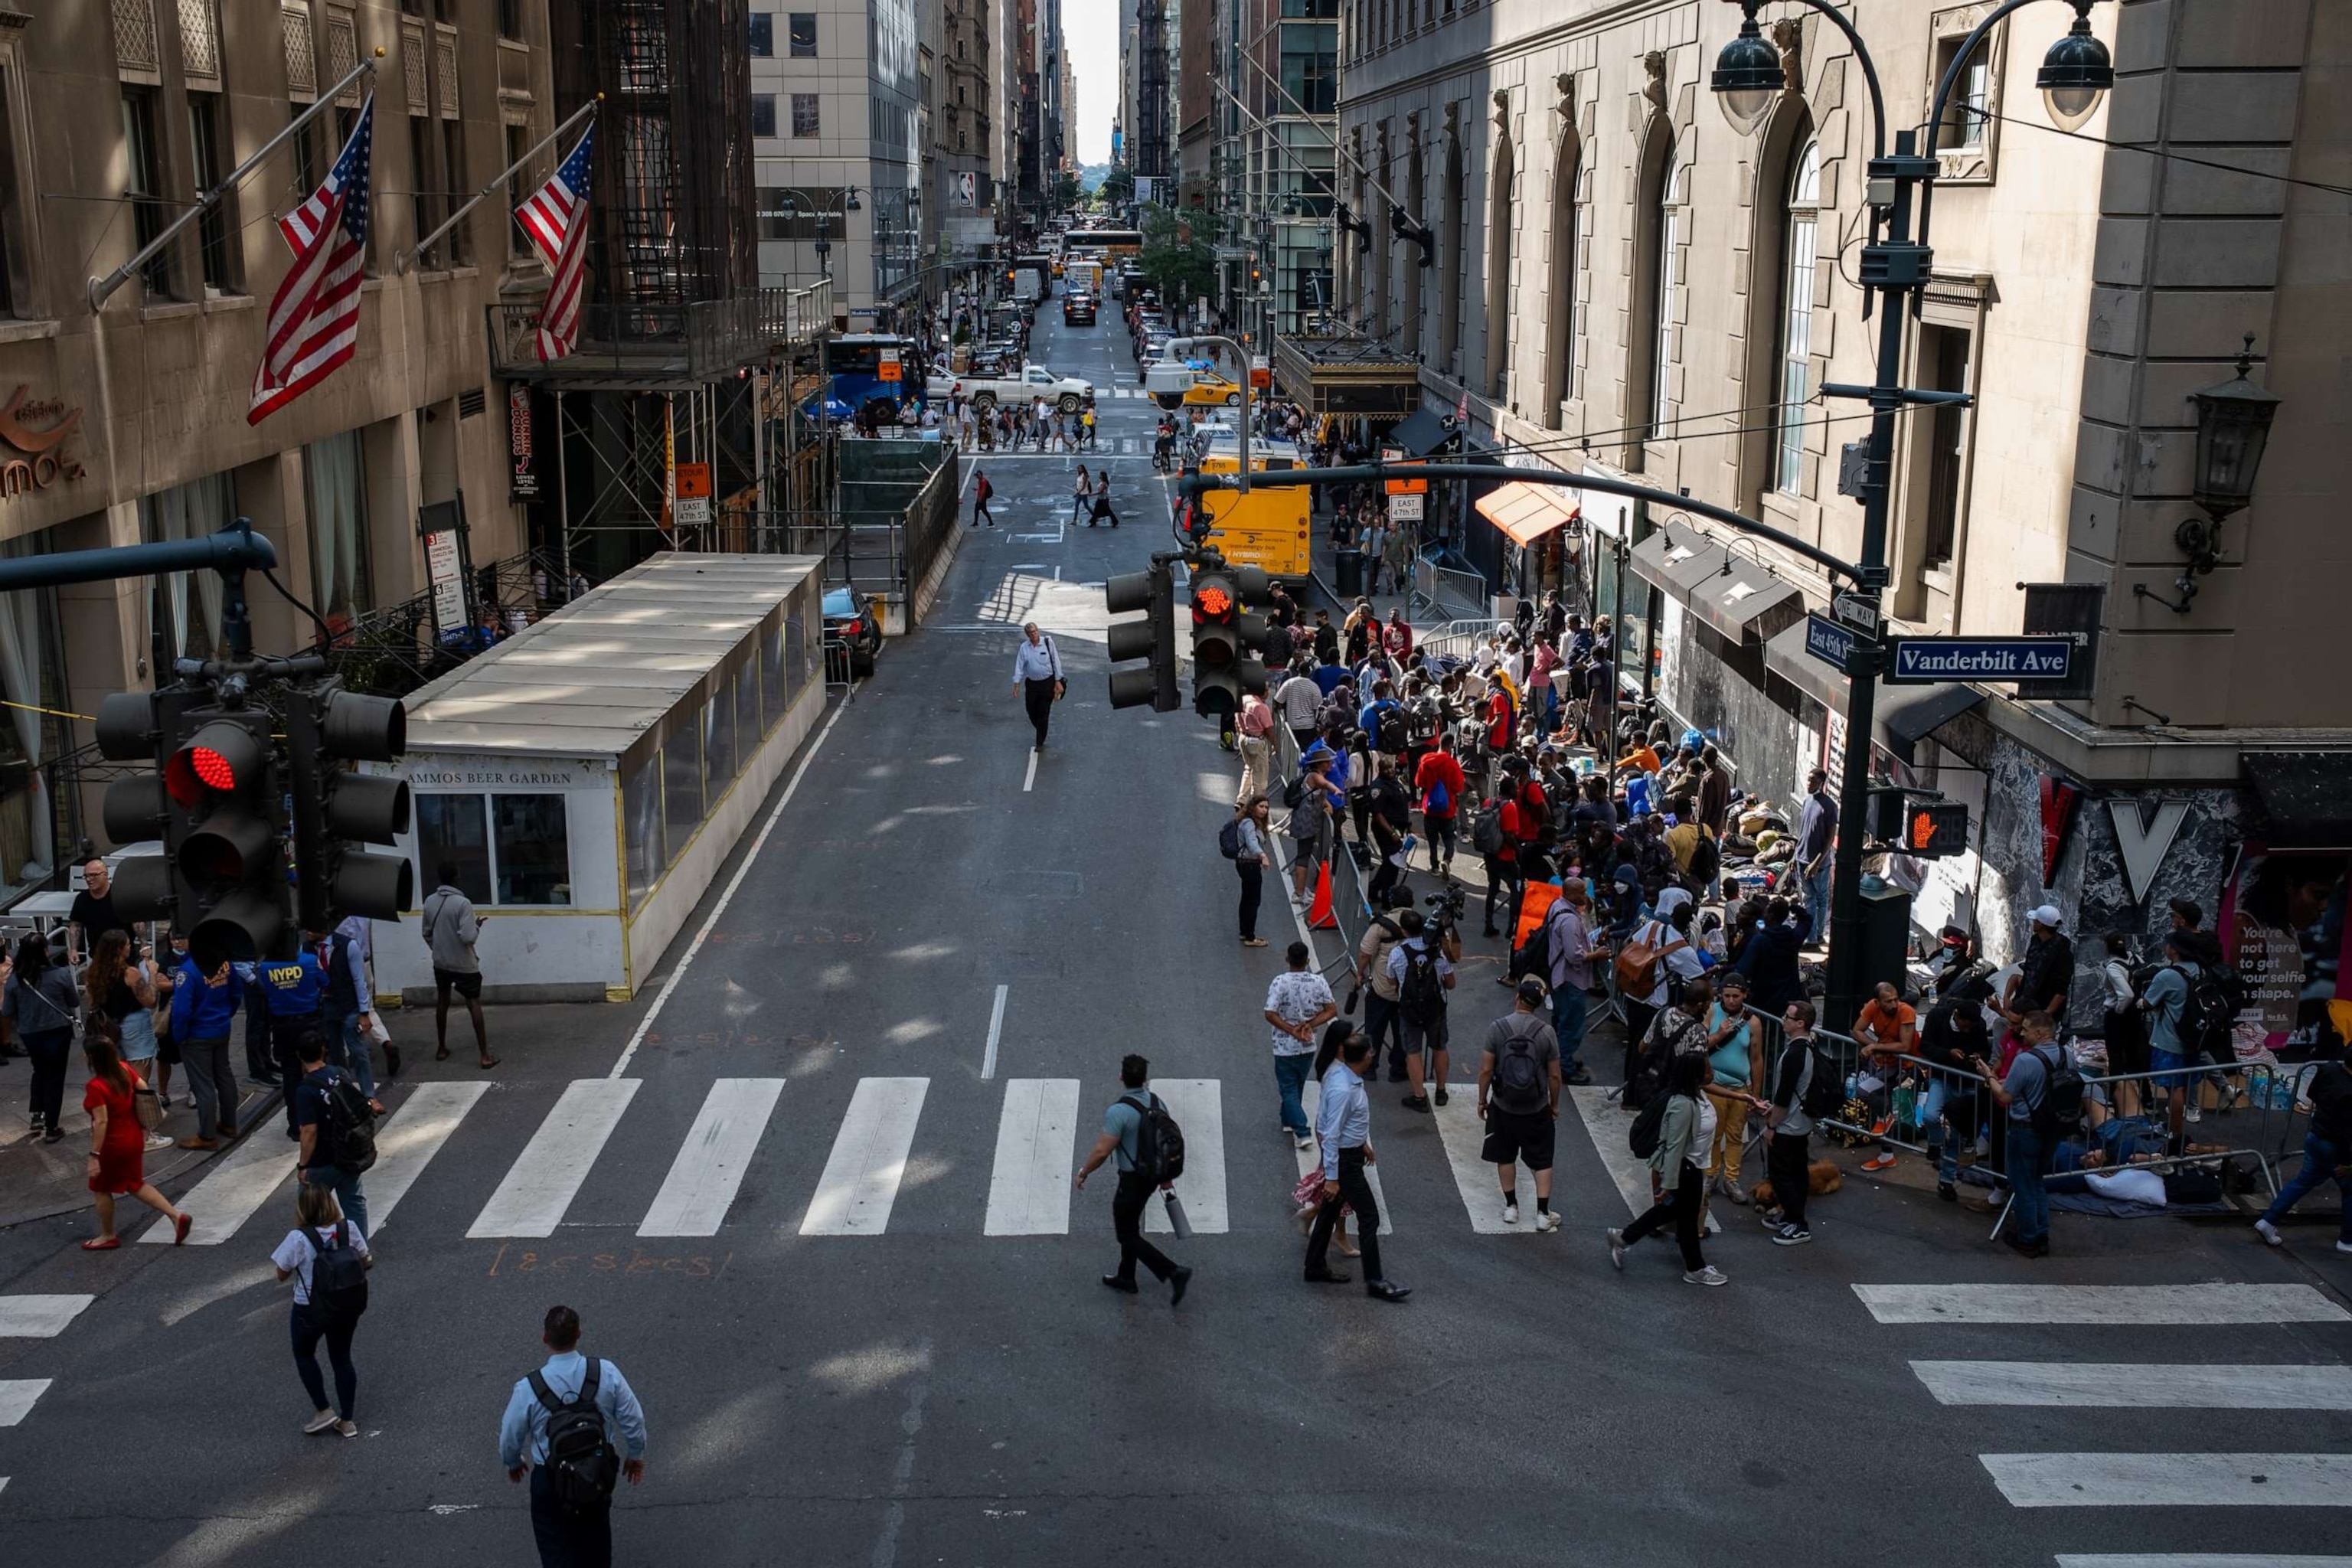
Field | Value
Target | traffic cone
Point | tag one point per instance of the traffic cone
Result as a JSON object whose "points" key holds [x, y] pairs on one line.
{"points": [[1318, 914]]}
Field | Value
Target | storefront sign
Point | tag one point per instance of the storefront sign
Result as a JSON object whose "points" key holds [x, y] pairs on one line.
{"points": [[41, 464], [429, 772], [525, 486]]}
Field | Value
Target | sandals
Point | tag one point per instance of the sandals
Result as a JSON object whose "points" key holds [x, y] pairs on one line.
{"points": [[179, 1229]]}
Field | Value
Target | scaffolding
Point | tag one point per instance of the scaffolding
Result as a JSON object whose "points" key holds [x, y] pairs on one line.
{"points": [[1151, 138]]}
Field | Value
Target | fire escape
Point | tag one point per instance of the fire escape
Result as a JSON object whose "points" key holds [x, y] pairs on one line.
{"points": [[1152, 142]]}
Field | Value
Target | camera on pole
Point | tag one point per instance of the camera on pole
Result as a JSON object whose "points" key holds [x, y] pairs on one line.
{"points": [[1152, 638]]}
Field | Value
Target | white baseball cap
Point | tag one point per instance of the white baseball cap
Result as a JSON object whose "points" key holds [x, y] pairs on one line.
{"points": [[2047, 915]]}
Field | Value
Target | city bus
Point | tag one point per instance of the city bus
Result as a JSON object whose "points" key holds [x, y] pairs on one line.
{"points": [[854, 363], [1267, 528], [1113, 245]]}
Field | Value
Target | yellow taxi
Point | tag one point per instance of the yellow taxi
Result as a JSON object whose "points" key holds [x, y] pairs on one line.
{"points": [[1210, 390]]}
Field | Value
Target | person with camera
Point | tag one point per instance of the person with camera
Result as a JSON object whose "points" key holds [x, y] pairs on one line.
{"points": [[1379, 992], [1421, 966]]}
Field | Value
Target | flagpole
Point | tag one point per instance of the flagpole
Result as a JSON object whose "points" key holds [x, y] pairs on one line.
{"points": [[401, 260], [102, 288]]}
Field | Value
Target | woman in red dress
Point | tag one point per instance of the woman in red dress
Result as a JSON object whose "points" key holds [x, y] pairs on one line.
{"points": [[118, 1144]]}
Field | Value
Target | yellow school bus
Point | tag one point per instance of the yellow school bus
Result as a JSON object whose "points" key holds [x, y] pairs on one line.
{"points": [[1267, 528]]}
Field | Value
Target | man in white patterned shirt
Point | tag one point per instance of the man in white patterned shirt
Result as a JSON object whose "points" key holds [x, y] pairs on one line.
{"points": [[1298, 1004]]}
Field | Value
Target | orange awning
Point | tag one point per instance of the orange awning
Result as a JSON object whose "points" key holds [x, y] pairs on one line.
{"points": [[1526, 512]]}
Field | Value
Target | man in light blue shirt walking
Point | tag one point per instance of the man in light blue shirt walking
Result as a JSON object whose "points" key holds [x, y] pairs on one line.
{"points": [[1343, 1123], [1037, 676], [569, 1538]]}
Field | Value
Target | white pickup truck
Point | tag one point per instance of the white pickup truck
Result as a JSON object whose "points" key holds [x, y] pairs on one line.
{"points": [[1067, 392]]}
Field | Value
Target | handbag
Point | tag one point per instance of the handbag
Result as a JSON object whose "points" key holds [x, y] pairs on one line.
{"points": [[144, 1103]]}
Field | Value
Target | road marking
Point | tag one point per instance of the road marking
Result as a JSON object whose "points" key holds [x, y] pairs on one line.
{"points": [[413, 1136], [2172, 1480], [2102, 1305], [704, 1178], [239, 1184], [16, 1397], [996, 1012], [545, 1177], [869, 1158], [1280, 842], [2130, 1385], [1463, 1133], [2195, 1560], [1311, 1159], [1029, 783], [1607, 1124], [1036, 1135], [38, 1317], [637, 1037], [1198, 1104]]}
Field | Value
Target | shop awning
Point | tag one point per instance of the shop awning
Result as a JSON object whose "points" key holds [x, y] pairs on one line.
{"points": [[1527, 512], [1423, 432], [2306, 796], [1676, 556], [1901, 716], [1741, 599]]}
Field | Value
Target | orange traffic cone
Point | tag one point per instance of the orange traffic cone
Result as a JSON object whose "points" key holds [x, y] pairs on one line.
{"points": [[1318, 914]]}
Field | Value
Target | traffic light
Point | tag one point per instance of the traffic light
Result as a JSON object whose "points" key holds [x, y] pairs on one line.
{"points": [[228, 864], [136, 810], [1152, 638], [1934, 827], [1222, 636], [336, 809]]}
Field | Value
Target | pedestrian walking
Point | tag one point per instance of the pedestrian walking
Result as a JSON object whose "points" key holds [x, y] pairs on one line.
{"points": [[326, 1256], [1082, 495], [1678, 1165], [344, 954], [335, 1125], [1250, 832], [295, 992], [1037, 676], [1518, 1100], [1254, 734], [1298, 1004], [1312, 819], [204, 1007], [1130, 1136], [1102, 499], [576, 1427], [1299, 697], [2025, 1093], [1086, 420], [452, 925], [1380, 992], [118, 1139], [1344, 1132], [1789, 1155], [40, 1003], [120, 985], [91, 914], [1438, 779], [2327, 1154], [1573, 949], [1421, 964], [1816, 840], [981, 490]]}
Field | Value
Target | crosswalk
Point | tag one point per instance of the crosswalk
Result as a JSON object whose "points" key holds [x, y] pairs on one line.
{"points": [[32, 1317]]}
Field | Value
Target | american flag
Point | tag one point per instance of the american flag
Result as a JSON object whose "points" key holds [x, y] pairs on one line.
{"points": [[314, 317], [555, 220]]}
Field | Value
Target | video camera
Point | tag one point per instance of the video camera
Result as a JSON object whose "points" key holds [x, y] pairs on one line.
{"points": [[1446, 905]]}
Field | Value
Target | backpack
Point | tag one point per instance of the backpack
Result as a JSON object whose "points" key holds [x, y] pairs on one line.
{"points": [[581, 1464], [2208, 1015], [1487, 829], [337, 1275], [1824, 1092], [1649, 1127], [1295, 791], [1229, 839], [1439, 801], [1637, 961], [1706, 859], [1392, 736], [1534, 957], [2059, 1111], [1519, 1083], [1421, 996], [347, 1131], [1159, 1142]]}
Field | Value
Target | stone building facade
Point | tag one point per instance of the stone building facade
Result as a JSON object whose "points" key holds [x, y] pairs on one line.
{"points": [[1620, 282]]}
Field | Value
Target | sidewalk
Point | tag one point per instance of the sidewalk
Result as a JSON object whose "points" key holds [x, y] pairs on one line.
{"points": [[40, 1180]]}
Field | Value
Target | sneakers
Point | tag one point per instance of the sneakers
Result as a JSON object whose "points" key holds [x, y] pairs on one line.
{"points": [[1306, 1140], [347, 1430], [1440, 1094], [1734, 1192], [1884, 1161], [318, 1424], [1546, 1223], [1710, 1275], [1948, 1193], [1791, 1235], [1771, 1217], [1419, 1102], [1510, 1214], [2268, 1233], [1617, 1249]]}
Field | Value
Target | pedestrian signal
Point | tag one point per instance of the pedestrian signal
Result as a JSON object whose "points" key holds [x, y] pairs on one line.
{"points": [[1934, 827]]}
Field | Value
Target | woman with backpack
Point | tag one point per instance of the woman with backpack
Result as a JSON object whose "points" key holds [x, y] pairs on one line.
{"points": [[328, 1259], [118, 1139], [1251, 825], [41, 1001], [1684, 1129]]}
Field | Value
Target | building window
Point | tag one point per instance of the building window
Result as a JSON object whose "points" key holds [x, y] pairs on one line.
{"points": [[1798, 250], [511, 19], [337, 484], [1559, 357], [143, 184], [764, 34], [1965, 117], [1310, 83], [1661, 344], [15, 207], [206, 135], [803, 115], [764, 114], [307, 172], [185, 607], [804, 35], [454, 830], [1501, 220], [508, 848], [424, 173], [517, 143], [1944, 354], [455, 189]]}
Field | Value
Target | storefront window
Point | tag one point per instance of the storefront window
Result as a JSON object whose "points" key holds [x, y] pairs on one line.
{"points": [[185, 607], [454, 830], [533, 847], [719, 739], [682, 780], [641, 824], [339, 542]]}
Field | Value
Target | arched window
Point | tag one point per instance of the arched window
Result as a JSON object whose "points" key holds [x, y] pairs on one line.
{"points": [[1798, 248], [1559, 350], [1501, 219], [1656, 233], [1662, 329], [1409, 256], [1449, 291]]}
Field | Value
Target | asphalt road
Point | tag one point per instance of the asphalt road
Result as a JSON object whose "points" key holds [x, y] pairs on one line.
{"points": [[853, 1370]]}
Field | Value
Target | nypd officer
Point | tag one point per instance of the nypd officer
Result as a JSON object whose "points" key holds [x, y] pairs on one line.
{"points": [[294, 991]]}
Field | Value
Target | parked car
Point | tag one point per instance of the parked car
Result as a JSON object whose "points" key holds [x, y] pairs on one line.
{"points": [[854, 627]]}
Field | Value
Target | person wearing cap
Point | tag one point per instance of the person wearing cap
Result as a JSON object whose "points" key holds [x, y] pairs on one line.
{"points": [[1518, 1100], [2045, 974], [1311, 819], [1953, 971]]}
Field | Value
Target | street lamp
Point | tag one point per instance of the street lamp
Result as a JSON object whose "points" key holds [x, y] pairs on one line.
{"points": [[2233, 425], [2075, 73], [845, 203], [1748, 78]]}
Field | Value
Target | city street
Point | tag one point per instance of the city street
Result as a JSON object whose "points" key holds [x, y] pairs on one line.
{"points": [[810, 1192]]}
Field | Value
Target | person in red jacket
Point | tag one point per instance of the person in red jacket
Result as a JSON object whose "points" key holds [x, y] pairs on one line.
{"points": [[1439, 782], [1397, 636], [1503, 866]]}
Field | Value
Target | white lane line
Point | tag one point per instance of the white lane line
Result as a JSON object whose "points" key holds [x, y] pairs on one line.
{"points": [[16, 1397], [2195, 1560], [239, 1184], [996, 1012], [1036, 1141], [2126, 1305], [1607, 1126], [637, 1037], [1198, 1104], [412, 1137], [1463, 1133], [1281, 842], [545, 1177], [1311, 1159], [38, 1317], [1030, 783], [2134, 1386], [2172, 1480], [868, 1160], [703, 1179]]}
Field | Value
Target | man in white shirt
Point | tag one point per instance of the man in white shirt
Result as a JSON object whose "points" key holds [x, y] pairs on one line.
{"points": [[1298, 1004], [1037, 676]]}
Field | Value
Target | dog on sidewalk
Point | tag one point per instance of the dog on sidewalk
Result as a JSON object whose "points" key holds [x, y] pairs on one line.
{"points": [[1821, 1178]]}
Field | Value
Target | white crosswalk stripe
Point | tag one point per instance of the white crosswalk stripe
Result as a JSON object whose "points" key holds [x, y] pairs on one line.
{"points": [[38, 1317], [1607, 1123], [710, 1167], [547, 1174], [2111, 1305], [2173, 1481], [238, 1185], [410, 1138], [869, 1159], [1463, 1133], [2132, 1385], [1036, 1139], [1310, 1159], [2195, 1560], [1198, 1104], [16, 1397]]}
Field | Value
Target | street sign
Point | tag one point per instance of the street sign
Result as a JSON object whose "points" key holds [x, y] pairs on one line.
{"points": [[693, 505], [1835, 645], [1859, 611], [1925, 661], [1404, 508]]}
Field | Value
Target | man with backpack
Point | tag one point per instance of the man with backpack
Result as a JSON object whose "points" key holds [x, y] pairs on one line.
{"points": [[2043, 1097], [1423, 972], [337, 1127], [981, 490], [2190, 1012], [560, 1424], [1439, 780], [1803, 1086], [1149, 1150], [1518, 1100], [1380, 991]]}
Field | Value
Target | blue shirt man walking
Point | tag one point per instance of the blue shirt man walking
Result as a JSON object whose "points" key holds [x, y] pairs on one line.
{"points": [[569, 1538]]}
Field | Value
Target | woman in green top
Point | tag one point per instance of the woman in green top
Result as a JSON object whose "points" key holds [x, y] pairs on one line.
{"points": [[1737, 1060]]}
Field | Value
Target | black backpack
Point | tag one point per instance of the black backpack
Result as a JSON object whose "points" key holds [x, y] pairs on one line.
{"points": [[582, 1465], [1295, 791], [1487, 829], [1159, 1143], [1648, 1128], [1229, 839], [1393, 737], [1706, 859], [1824, 1094], [339, 1286], [1421, 996], [2059, 1111], [2208, 1014], [347, 1131], [1519, 1083], [1534, 957]]}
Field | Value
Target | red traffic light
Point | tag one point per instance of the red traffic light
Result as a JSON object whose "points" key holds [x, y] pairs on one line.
{"points": [[221, 757], [1933, 828], [216, 771], [1211, 600]]}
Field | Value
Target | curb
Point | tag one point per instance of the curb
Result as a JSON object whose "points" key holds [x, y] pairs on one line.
{"points": [[255, 1114]]}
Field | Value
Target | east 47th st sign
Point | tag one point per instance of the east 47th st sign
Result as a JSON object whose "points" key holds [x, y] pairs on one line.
{"points": [[1923, 660]]}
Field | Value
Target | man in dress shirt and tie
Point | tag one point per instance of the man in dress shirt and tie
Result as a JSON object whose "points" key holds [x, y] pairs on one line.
{"points": [[1344, 1127], [569, 1538], [1037, 676]]}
